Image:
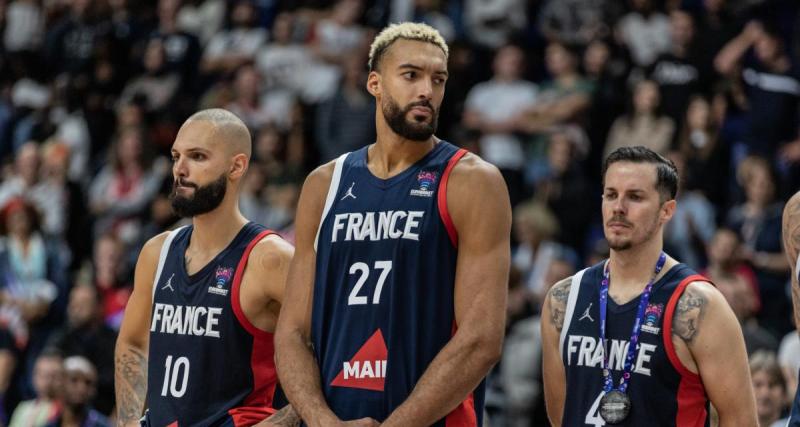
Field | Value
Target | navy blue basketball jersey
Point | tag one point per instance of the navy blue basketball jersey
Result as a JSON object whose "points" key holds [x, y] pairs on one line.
{"points": [[662, 390], [383, 293], [208, 365]]}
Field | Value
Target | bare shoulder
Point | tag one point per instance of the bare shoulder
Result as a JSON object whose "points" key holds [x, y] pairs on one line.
{"points": [[272, 253], [472, 171], [152, 249], [698, 299], [320, 178], [476, 191], [791, 228], [556, 301]]}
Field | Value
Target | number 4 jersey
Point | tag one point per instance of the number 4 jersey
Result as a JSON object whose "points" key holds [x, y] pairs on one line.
{"points": [[383, 290], [208, 365]]}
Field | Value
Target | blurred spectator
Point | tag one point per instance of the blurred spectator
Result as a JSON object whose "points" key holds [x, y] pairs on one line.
{"points": [[770, 389], [158, 86], [725, 266], [575, 22], [121, 192], [24, 176], [492, 24], [71, 41], [203, 18], [787, 357], [346, 122], [643, 124], [339, 34], [425, 11], [108, 276], [79, 389], [692, 225], [644, 31], [706, 157], [86, 335], [772, 85], [679, 72], [758, 222], [229, 49], [561, 184], [564, 97], [254, 109], [24, 26], [494, 108], [182, 49], [48, 378], [28, 267], [288, 65]]}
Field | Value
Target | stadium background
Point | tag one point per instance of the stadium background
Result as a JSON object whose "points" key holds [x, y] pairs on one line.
{"points": [[92, 93]]}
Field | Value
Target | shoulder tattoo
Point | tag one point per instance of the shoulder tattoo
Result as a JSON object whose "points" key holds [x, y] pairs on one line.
{"points": [[688, 314], [557, 302]]}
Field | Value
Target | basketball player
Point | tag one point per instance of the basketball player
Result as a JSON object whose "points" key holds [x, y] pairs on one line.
{"points": [[206, 297], [672, 342], [402, 261], [791, 244]]}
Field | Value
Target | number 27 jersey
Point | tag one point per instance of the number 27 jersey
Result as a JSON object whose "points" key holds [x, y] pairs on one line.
{"points": [[383, 303]]}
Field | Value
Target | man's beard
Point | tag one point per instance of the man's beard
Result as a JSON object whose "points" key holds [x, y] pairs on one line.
{"points": [[411, 130], [628, 243], [205, 198]]}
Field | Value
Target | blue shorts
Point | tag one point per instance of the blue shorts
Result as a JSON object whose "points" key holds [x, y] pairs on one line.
{"points": [[794, 416]]}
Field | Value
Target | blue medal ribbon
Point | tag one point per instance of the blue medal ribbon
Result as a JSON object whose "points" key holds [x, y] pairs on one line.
{"points": [[608, 381]]}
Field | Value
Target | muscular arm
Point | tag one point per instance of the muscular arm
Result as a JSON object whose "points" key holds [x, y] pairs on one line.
{"points": [[553, 312], [791, 247], [706, 324], [478, 203], [297, 369], [130, 353]]}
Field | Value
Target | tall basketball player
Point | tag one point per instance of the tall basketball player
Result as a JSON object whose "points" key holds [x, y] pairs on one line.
{"points": [[672, 343], [395, 302], [196, 342], [791, 244]]}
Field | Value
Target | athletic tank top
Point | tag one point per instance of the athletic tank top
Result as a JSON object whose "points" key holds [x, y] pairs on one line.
{"points": [[662, 391], [208, 365], [383, 292]]}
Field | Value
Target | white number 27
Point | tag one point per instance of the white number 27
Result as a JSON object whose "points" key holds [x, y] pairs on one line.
{"points": [[363, 269]]}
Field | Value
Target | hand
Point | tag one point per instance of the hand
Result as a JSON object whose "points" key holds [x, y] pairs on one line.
{"points": [[753, 30], [790, 152]]}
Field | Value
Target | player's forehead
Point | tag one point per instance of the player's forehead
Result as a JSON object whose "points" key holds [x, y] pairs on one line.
{"points": [[195, 134], [631, 176], [425, 55]]}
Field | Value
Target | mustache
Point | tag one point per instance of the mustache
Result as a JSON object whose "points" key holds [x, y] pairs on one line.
{"points": [[183, 183], [424, 103], [619, 219]]}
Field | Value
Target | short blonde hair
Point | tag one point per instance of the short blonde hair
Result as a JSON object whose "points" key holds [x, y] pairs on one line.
{"points": [[405, 30]]}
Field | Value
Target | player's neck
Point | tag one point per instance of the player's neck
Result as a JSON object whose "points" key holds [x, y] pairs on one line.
{"points": [[632, 268], [214, 230], [392, 154]]}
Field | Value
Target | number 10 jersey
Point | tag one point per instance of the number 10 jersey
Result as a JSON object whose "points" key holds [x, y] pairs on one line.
{"points": [[383, 303]]}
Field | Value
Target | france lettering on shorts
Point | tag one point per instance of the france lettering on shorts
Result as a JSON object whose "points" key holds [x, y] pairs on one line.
{"points": [[208, 365], [663, 392], [383, 290]]}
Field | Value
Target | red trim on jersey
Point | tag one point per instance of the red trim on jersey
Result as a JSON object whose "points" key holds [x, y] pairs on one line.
{"points": [[691, 396], [464, 415], [442, 197], [258, 404], [173, 424]]}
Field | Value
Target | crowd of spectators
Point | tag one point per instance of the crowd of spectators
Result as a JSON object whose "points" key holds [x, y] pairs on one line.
{"points": [[92, 93]]}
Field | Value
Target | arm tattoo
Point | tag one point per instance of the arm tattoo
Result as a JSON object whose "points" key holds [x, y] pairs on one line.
{"points": [[131, 384], [286, 417], [688, 314], [558, 302], [791, 245]]}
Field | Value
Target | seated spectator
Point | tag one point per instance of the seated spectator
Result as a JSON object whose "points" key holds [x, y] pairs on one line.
{"points": [[231, 48], [123, 189], [158, 85], [339, 34], [644, 31], [78, 392], [770, 389], [48, 378], [86, 335], [758, 222], [643, 124], [108, 275]]}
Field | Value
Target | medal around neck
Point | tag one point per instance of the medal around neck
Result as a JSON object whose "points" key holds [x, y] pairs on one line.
{"points": [[615, 406]]}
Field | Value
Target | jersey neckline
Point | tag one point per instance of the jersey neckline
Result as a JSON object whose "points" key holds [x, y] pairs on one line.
{"points": [[386, 183], [634, 303], [214, 261]]}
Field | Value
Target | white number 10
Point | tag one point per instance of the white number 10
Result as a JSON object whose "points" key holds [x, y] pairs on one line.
{"points": [[363, 269]]}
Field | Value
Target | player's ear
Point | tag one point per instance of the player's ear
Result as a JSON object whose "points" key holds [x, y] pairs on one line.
{"points": [[667, 210], [238, 166], [374, 83]]}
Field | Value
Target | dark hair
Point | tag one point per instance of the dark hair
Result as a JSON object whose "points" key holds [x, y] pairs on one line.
{"points": [[666, 172]]}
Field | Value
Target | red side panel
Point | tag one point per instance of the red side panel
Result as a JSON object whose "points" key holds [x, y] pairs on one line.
{"points": [[258, 404], [691, 393], [442, 197]]}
